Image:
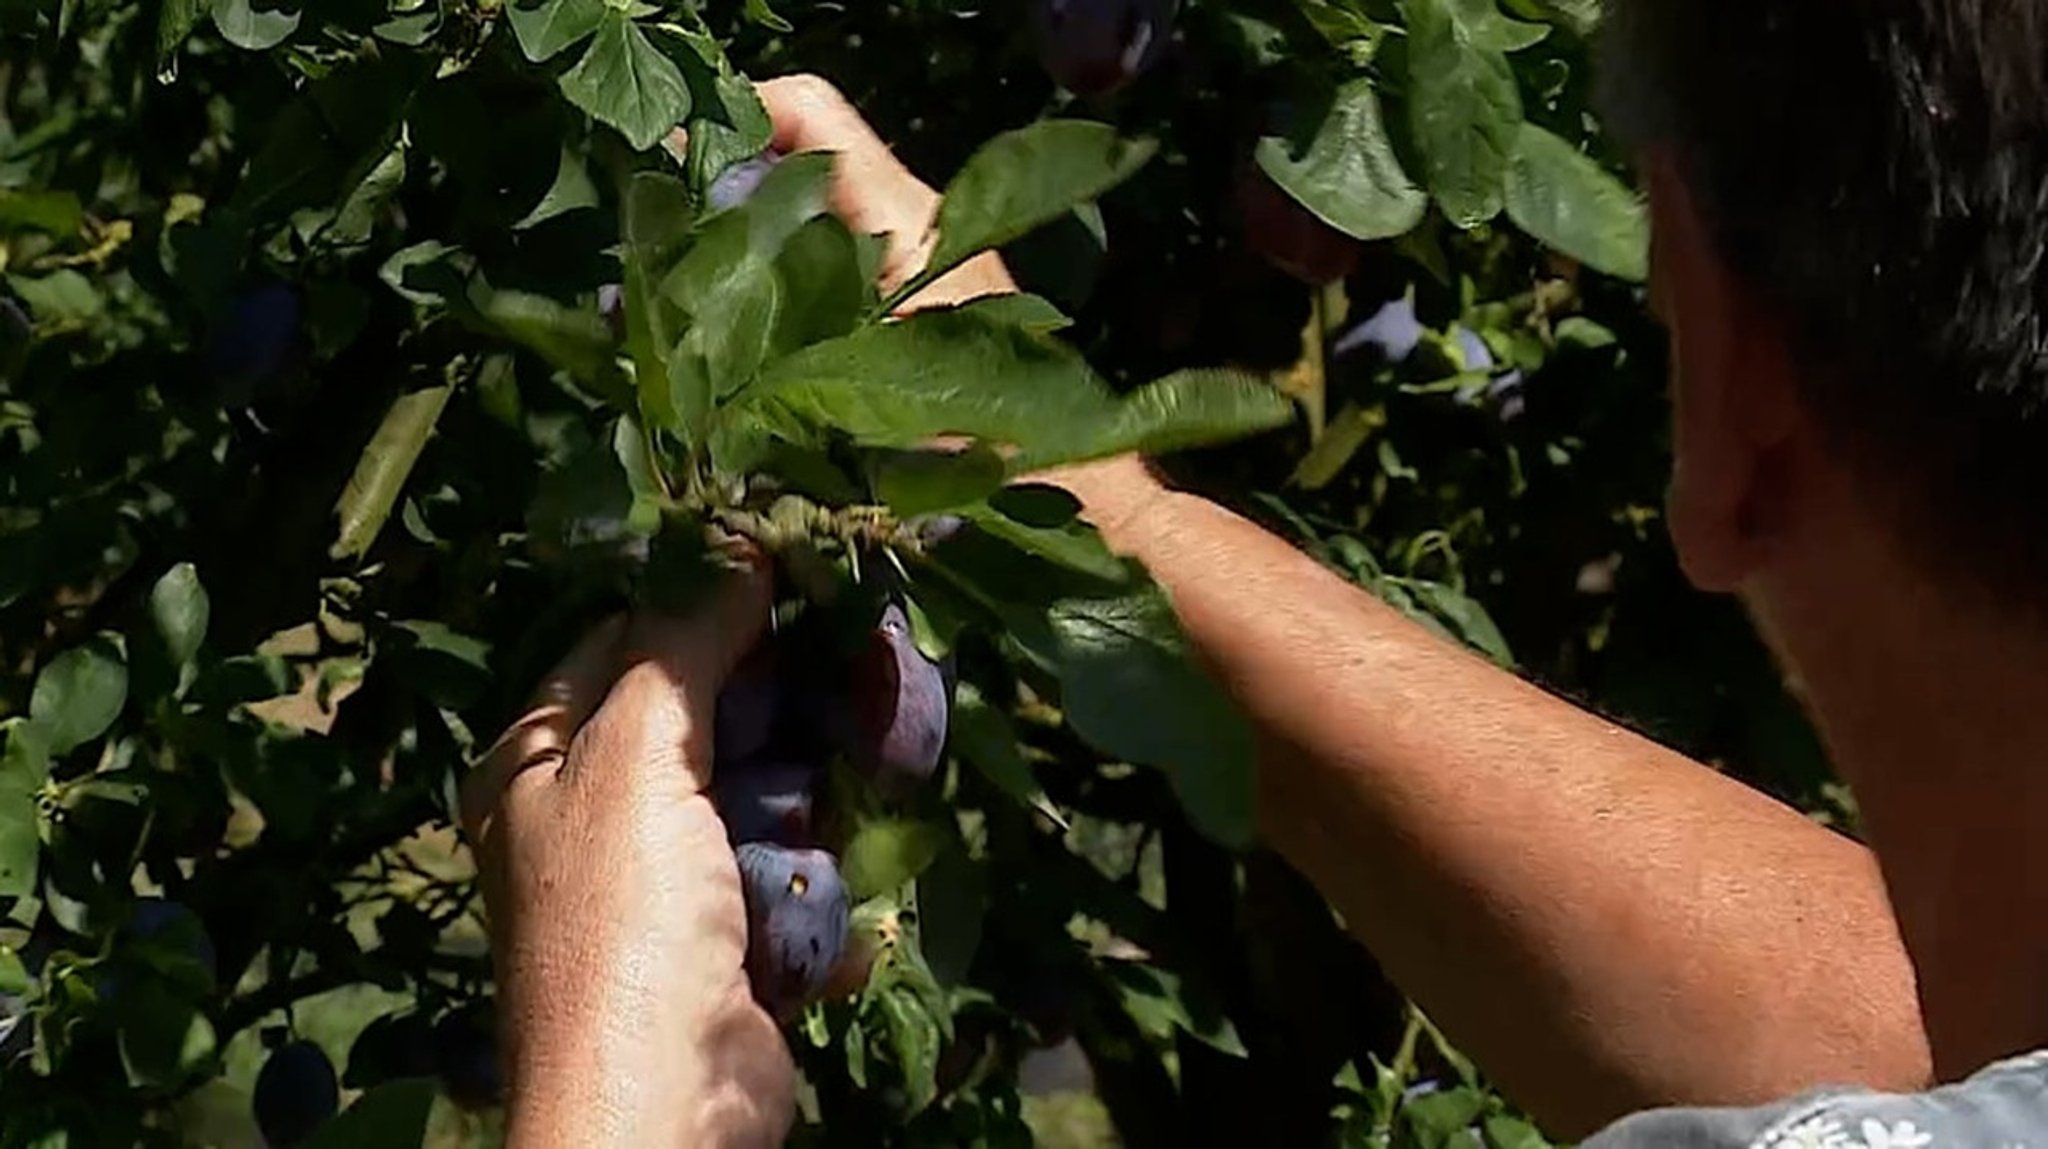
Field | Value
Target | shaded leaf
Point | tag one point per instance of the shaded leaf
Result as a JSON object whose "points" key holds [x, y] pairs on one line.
{"points": [[78, 695], [1129, 687], [548, 26], [1340, 165], [164, 1037], [380, 473], [921, 482], [626, 82], [1022, 179], [24, 765], [394, 1113], [180, 609], [1160, 1000], [1562, 197], [244, 25], [1463, 109]]}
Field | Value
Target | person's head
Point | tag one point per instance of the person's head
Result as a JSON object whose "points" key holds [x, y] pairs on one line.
{"points": [[1850, 221]]}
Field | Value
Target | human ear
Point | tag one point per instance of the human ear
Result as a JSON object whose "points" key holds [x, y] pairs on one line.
{"points": [[1735, 416]]}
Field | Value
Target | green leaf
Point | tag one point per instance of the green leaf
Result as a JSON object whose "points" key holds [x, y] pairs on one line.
{"points": [[626, 82], [727, 120], [78, 695], [572, 190], [179, 607], [1160, 1000], [1021, 309], [1128, 685], [173, 24], [24, 765], [984, 737], [885, 852], [14, 976], [654, 217], [922, 482], [1337, 162], [1463, 615], [242, 24], [915, 1038], [1463, 109], [394, 1113], [1074, 545], [381, 471], [1193, 408], [1559, 195], [1504, 1132], [760, 13], [1489, 28], [937, 372], [1022, 179], [1433, 1120], [57, 212], [577, 340], [61, 297], [549, 26], [164, 1038], [824, 287]]}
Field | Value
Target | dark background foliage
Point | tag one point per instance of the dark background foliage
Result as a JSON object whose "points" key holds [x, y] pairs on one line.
{"points": [[276, 507]]}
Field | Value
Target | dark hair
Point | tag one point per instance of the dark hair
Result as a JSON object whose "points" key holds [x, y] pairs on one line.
{"points": [[1878, 169]]}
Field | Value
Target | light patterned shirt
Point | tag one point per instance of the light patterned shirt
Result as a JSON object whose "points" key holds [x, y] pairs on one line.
{"points": [[2004, 1106]]}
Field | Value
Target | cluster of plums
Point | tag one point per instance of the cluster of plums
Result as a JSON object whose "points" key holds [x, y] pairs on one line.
{"points": [[793, 706]]}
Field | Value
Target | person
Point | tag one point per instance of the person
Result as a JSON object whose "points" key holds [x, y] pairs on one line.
{"points": [[1850, 211]]}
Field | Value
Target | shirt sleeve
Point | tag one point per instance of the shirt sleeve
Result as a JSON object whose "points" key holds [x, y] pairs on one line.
{"points": [[2002, 1107]]}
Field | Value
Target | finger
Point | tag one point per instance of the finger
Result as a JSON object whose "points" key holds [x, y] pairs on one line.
{"points": [[871, 189], [560, 705], [657, 715]]}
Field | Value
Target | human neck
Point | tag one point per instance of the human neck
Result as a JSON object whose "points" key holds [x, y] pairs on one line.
{"points": [[1936, 712]]}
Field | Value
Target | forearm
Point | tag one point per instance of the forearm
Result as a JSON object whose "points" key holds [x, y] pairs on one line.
{"points": [[1604, 924]]}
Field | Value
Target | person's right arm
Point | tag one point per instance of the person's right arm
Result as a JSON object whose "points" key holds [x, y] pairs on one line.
{"points": [[1603, 924]]}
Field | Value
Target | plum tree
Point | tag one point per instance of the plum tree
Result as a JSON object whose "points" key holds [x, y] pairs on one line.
{"points": [[899, 702], [736, 183], [465, 1045], [296, 1092], [765, 801], [1288, 235], [1094, 47], [797, 914], [255, 340]]}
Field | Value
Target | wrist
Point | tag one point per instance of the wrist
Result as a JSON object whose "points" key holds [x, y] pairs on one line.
{"points": [[1116, 496]]}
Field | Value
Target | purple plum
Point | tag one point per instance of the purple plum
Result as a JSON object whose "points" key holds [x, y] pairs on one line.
{"points": [[256, 338], [296, 1093], [733, 186], [900, 702], [1094, 47], [611, 303], [748, 705], [766, 801], [796, 923], [466, 1056], [1289, 236]]}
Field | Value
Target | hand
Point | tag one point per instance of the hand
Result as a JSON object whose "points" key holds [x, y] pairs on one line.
{"points": [[874, 193], [619, 930]]}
